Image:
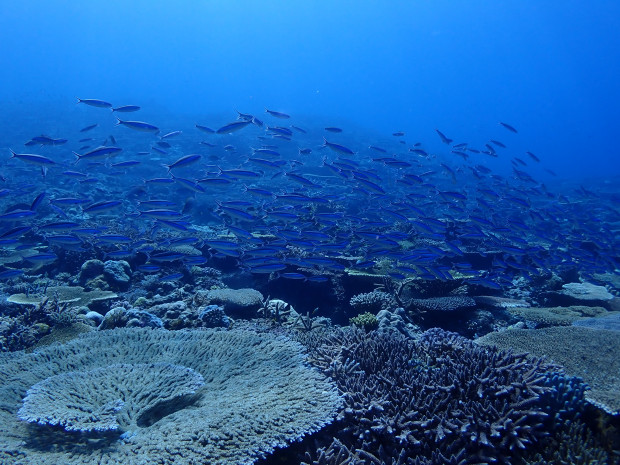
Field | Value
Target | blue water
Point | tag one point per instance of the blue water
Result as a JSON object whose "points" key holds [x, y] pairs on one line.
{"points": [[460, 157], [549, 69]]}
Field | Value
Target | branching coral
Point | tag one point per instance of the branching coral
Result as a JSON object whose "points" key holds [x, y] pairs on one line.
{"points": [[440, 399]]}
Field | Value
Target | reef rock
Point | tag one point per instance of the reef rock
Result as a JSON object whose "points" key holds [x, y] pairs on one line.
{"points": [[241, 303], [90, 269], [117, 274]]}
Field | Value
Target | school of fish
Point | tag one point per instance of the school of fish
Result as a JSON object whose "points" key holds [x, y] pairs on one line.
{"points": [[278, 198]]}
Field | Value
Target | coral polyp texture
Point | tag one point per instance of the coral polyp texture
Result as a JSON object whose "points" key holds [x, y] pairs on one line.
{"points": [[90, 400], [437, 399], [137, 396], [591, 354]]}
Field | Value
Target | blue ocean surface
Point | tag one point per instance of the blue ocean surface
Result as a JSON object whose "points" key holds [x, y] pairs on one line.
{"points": [[377, 183]]}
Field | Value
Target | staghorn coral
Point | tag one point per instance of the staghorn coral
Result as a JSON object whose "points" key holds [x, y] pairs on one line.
{"points": [[573, 444], [588, 353], [258, 395], [440, 399]]}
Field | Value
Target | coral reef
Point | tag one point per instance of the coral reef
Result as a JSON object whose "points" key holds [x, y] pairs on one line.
{"points": [[260, 394], [120, 317], [586, 292], [76, 296], [608, 322], [117, 274], [90, 400], [90, 269], [591, 354], [554, 316], [373, 302], [397, 321], [367, 321], [213, 316], [25, 325], [241, 303], [440, 399], [441, 304]]}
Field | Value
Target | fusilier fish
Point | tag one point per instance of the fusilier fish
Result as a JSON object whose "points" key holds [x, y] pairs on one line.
{"points": [[32, 158], [126, 109], [94, 102], [138, 126]]}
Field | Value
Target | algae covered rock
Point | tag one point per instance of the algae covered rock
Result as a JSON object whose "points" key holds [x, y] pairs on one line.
{"points": [[241, 303], [213, 316], [90, 269], [397, 321], [117, 273], [120, 317]]}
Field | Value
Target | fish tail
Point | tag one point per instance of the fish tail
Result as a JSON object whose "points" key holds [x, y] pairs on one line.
{"points": [[79, 100], [78, 156], [13, 154], [118, 121]]}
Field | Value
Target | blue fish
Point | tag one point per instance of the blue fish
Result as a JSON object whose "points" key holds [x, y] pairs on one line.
{"points": [[94, 102], [277, 114], [138, 126], [338, 148], [126, 109], [232, 127]]}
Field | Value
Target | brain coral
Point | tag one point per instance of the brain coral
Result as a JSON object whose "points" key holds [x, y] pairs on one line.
{"points": [[127, 396]]}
